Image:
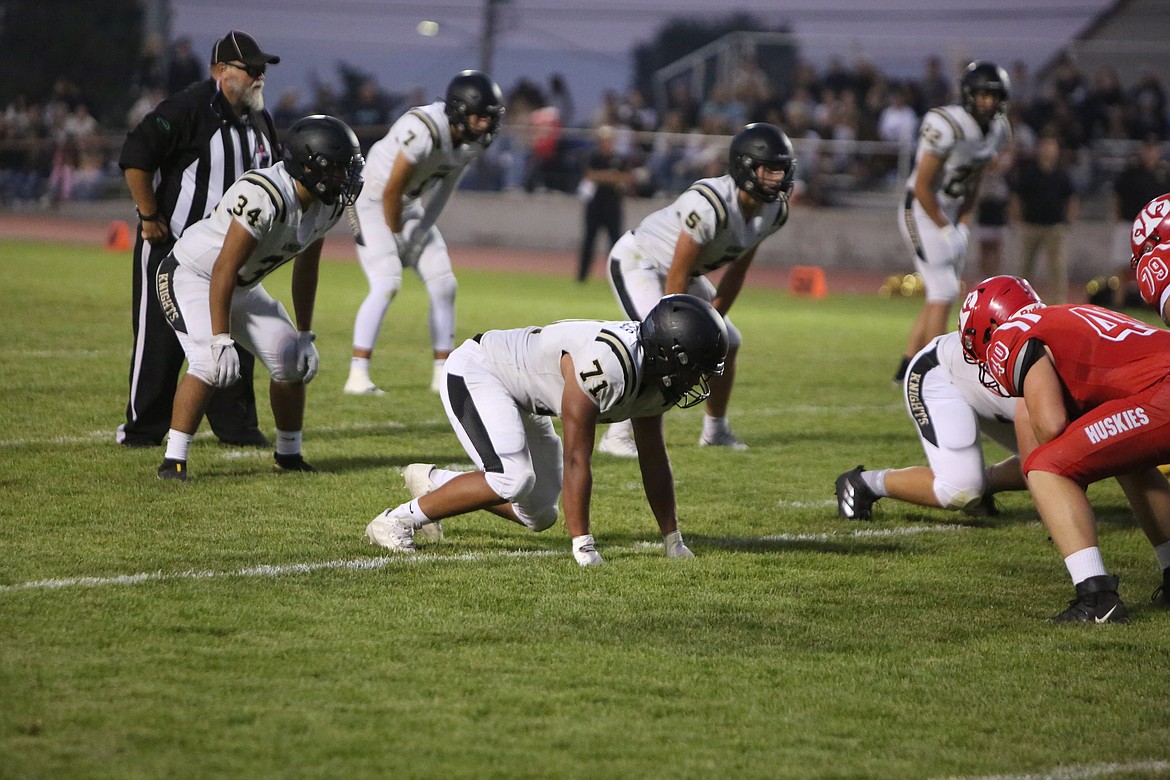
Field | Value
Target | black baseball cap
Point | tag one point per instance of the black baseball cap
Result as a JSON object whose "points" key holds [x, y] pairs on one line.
{"points": [[237, 45]]}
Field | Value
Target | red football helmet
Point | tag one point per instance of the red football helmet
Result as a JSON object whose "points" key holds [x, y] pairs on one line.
{"points": [[990, 304], [1151, 227]]}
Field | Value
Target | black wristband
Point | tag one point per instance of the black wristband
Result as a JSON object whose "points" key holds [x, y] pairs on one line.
{"points": [[147, 217]]}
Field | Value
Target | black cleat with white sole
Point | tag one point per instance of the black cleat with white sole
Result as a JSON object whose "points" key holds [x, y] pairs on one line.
{"points": [[1096, 602], [854, 498]]}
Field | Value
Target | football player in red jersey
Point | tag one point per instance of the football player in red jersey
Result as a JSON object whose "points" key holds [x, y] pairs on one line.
{"points": [[1150, 240], [1096, 390]]}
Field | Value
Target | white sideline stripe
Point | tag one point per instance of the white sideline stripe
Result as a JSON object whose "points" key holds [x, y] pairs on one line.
{"points": [[109, 434], [373, 564], [1084, 772], [807, 504], [865, 533]]}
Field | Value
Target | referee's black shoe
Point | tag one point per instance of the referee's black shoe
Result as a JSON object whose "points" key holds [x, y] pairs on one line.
{"points": [[288, 463]]}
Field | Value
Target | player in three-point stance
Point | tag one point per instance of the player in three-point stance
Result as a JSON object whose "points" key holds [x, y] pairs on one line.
{"points": [[1096, 387], [501, 390]]}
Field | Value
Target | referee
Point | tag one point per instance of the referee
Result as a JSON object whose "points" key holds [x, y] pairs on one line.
{"points": [[178, 162]]}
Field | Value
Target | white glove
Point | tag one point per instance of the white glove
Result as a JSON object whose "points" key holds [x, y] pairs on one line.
{"points": [[307, 358], [408, 248], [675, 547], [226, 361], [956, 238]]}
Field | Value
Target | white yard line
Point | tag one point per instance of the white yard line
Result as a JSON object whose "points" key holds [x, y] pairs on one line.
{"points": [[1083, 772], [373, 564]]}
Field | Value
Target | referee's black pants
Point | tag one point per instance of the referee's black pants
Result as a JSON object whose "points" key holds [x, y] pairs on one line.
{"points": [[155, 363], [600, 214]]}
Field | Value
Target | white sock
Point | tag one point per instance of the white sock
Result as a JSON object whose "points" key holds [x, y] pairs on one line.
{"points": [[585, 540], [1084, 564], [712, 425], [416, 514], [288, 442], [1163, 553], [622, 429], [178, 443], [876, 481], [359, 367]]}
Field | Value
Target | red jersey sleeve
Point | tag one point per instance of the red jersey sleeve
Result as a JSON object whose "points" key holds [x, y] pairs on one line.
{"points": [[1153, 276], [1006, 350]]}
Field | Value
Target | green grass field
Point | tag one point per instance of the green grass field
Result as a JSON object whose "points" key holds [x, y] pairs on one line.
{"points": [[240, 625]]}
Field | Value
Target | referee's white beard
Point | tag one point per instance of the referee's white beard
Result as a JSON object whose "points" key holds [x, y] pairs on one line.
{"points": [[254, 98]]}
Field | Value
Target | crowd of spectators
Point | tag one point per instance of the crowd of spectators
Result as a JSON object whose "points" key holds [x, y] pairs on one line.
{"points": [[854, 127]]}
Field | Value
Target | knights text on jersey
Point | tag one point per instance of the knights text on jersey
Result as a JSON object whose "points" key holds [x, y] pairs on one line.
{"points": [[710, 213], [264, 202], [951, 134], [607, 357], [423, 136], [1153, 276], [1099, 354]]}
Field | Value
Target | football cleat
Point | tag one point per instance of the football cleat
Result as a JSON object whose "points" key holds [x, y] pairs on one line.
{"points": [[393, 531], [417, 477], [854, 498], [286, 464], [984, 507], [1096, 602], [723, 438], [1161, 595], [675, 547], [585, 551], [618, 441], [173, 469], [437, 377], [362, 386]]}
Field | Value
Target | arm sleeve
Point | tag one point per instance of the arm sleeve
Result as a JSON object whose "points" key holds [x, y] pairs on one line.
{"points": [[155, 138], [1153, 276], [254, 204], [697, 216]]}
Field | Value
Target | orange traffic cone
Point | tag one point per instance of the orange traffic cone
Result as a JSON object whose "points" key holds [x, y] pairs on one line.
{"points": [[118, 237], [808, 281]]}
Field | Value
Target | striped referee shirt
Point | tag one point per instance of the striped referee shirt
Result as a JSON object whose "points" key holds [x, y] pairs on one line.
{"points": [[197, 147]]}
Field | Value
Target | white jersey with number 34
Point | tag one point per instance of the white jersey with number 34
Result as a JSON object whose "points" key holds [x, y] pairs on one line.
{"points": [[264, 202]]}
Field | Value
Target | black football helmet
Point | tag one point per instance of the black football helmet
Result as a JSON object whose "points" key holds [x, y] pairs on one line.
{"points": [[761, 144], [685, 341], [985, 76], [322, 153], [474, 92]]}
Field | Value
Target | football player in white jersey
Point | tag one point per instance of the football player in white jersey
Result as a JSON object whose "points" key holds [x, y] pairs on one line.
{"points": [[950, 407], [410, 175], [715, 222], [210, 291], [501, 390], [955, 144]]}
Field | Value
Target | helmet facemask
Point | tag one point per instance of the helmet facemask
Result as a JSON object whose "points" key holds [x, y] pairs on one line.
{"points": [[762, 145]]}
